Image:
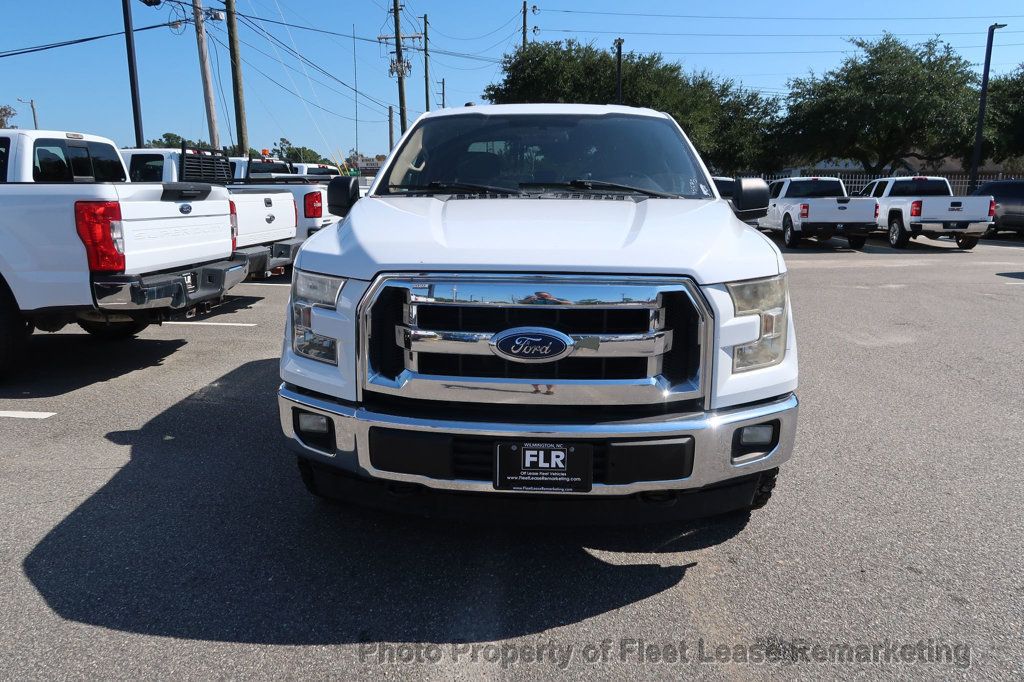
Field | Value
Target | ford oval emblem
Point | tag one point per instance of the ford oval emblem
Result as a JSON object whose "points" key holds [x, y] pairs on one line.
{"points": [[185, 208], [531, 344]]}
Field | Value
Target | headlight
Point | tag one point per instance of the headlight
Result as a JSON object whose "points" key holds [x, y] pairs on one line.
{"points": [[313, 291], [767, 299]]}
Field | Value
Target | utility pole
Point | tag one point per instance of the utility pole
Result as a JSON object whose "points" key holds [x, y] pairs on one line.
{"points": [[444, 102], [204, 70], [426, 64], [355, 89], [133, 75], [236, 77], [391, 127], [524, 24], [402, 116], [618, 70], [31, 103], [979, 133]]}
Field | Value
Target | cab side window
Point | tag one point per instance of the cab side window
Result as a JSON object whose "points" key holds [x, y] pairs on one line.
{"points": [[775, 189], [866, 192], [879, 189], [5, 149]]}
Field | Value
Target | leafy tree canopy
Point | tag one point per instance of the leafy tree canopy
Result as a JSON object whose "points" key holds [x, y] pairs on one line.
{"points": [[7, 112], [889, 103], [1004, 117]]}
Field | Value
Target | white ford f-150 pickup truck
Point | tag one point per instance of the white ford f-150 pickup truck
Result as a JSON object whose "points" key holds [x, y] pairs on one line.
{"points": [[78, 243], [267, 217], [912, 206], [309, 192], [537, 304], [818, 207]]}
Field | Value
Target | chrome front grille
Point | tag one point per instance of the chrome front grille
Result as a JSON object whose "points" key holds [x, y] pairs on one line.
{"points": [[635, 341]]}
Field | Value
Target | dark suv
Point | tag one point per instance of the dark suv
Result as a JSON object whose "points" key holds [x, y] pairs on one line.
{"points": [[1009, 196]]}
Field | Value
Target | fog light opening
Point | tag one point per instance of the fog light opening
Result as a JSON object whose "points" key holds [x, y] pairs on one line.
{"points": [[754, 441], [315, 431]]}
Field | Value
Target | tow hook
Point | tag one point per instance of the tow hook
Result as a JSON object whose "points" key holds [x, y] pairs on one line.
{"points": [[190, 313], [659, 498], [279, 270]]}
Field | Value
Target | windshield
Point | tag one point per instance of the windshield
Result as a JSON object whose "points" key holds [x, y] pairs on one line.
{"points": [[531, 152], [815, 189]]}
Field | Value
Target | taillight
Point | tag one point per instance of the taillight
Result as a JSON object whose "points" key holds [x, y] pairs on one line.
{"points": [[991, 208], [805, 210], [876, 210], [295, 209], [314, 205], [99, 227], [915, 209], [234, 226]]}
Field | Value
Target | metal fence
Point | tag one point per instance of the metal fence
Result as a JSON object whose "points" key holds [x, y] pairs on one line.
{"points": [[855, 182]]}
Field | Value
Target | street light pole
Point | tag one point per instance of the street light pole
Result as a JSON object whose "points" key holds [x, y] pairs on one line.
{"points": [[979, 132], [618, 70], [133, 76], [31, 103]]}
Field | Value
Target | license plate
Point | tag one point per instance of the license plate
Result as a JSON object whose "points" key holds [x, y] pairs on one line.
{"points": [[954, 226], [190, 281], [544, 466]]}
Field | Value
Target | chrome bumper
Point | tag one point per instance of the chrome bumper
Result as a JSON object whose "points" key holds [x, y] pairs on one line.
{"points": [[713, 434], [965, 228], [168, 291]]}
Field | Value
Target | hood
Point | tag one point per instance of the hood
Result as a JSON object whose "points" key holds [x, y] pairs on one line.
{"points": [[701, 239]]}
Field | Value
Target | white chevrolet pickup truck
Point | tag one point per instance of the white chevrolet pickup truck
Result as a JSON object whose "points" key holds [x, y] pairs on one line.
{"points": [[542, 307], [267, 217], [80, 244], [818, 207], [912, 206], [309, 191]]}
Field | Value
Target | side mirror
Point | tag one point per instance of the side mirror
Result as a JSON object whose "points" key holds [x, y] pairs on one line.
{"points": [[750, 198], [342, 193]]}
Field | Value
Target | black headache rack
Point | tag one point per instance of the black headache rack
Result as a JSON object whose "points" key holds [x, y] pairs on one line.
{"points": [[204, 165]]}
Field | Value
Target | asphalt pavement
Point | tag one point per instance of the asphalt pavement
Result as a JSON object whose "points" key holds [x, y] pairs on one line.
{"points": [[153, 525]]}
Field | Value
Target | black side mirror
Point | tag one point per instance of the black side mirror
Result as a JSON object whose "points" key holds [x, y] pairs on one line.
{"points": [[342, 193], [750, 198]]}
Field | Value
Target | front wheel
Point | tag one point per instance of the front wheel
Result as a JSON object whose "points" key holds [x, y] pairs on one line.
{"points": [[765, 486], [857, 242], [898, 237], [789, 236], [112, 331], [966, 243]]}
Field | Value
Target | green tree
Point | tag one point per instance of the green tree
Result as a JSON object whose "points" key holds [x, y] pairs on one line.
{"points": [[730, 127], [889, 103], [7, 112], [286, 151], [174, 141], [1004, 117]]}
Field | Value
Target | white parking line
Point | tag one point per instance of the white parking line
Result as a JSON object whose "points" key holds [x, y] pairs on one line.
{"points": [[16, 414], [217, 324]]}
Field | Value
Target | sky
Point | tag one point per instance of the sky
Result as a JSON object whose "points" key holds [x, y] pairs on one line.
{"points": [[761, 45]]}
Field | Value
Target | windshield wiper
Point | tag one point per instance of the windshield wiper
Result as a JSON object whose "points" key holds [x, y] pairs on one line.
{"points": [[602, 184], [439, 187]]}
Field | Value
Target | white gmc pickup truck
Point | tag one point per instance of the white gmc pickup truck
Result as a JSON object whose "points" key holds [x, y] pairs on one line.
{"points": [[266, 217], [818, 207], [80, 244], [542, 307], [909, 207]]}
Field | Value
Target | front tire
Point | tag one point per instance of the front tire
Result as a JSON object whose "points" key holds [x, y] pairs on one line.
{"points": [[966, 243], [764, 488], [898, 237], [789, 236], [857, 242], [112, 331]]}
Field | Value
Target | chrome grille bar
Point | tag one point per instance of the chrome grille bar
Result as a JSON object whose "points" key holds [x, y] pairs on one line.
{"points": [[586, 345]]}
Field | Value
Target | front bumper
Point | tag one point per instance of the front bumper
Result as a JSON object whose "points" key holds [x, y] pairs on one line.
{"points": [[172, 291], [714, 435], [950, 227]]}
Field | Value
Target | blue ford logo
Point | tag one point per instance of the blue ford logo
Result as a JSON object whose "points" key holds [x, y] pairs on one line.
{"points": [[531, 344], [185, 208]]}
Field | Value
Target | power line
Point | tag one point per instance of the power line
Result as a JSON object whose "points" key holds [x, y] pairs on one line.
{"points": [[773, 18], [851, 49], [762, 35], [78, 41]]}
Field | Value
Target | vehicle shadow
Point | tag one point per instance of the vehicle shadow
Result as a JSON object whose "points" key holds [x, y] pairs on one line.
{"points": [[207, 533], [55, 364]]}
